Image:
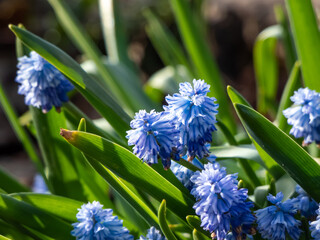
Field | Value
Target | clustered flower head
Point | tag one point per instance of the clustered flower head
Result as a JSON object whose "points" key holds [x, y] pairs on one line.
{"points": [[275, 221], [185, 127], [194, 114], [152, 134], [220, 204], [41, 83], [184, 174], [153, 234], [315, 226], [306, 205], [95, 223], [304, 116]]}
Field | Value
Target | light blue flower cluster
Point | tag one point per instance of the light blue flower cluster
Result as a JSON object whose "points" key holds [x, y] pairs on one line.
{"points": [[183, 128], [220, 204], [152, 134], [275, 221], [41, 83], [39, 185], [315, 226], [306, 204], [304, 116], [153, 234], [194, 115], [184, 174], [96, 223]]}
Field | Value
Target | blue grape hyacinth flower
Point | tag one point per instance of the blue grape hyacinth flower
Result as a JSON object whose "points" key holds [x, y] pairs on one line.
{"points": [[315, 226], [39, 185], [41, 83], [184, 174], [152, 134], [306, 204], [304, 116], [220, 204], [275, 221], [194, 114], [95, 223], [153, 234]]}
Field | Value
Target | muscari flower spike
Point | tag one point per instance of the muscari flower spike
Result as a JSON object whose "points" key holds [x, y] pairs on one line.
{"points": [[306, 204], [304, 116], [275, 221], [152, 134], [194, 114], [153, 234], [95, 223], [184, 174], [39, 185], [315, 226], [41, 83], [220, 204]]}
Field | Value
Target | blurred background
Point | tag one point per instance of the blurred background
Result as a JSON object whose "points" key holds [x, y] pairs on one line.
{"points": [[232, 27]]}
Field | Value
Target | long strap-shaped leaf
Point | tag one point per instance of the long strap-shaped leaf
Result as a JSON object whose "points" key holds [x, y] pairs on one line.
{"points": [[20, 131], [307, 40], [163, 221], [266, 67], [285, 151], [126, 165], [134, 98], [30, 216], [58, 206], [58, 156], [206, 68], [269, 163], [9, 184], [86, 85]]}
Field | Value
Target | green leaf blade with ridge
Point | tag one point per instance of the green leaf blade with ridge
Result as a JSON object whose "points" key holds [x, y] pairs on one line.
{"points": [[285, 151], [129, 167]]}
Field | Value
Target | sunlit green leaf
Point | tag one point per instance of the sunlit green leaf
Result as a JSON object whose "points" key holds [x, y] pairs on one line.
{"points": [[87, 86], [307, 40], [288, 154], [127, 166]]}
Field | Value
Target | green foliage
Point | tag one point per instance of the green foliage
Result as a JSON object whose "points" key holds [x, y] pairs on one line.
{"points": [[95, 162]]}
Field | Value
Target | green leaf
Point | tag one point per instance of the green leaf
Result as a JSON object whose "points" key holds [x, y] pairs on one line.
{"points": [[58, 155], [288, 154], [266, 67], [4, 238], [166, 79], [33, 217], [127, 166], [114, 33], [240, 151], [74, 114], [307, 40], [270, 164], [61, 207], [260, 195], [287, 40], [118, 87], [195, 222], [199, 52], [286, 185], [198, 235], [19, 131], [292, 84], [236, 97], [120, 187], [167, 46], [10, 184], [163, 221], [87, 86], [115, 182]]}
